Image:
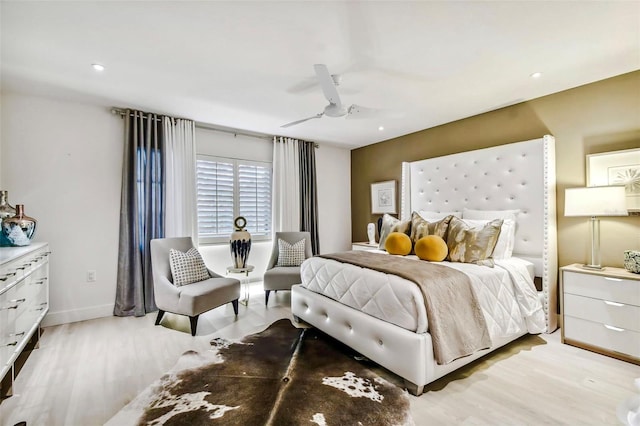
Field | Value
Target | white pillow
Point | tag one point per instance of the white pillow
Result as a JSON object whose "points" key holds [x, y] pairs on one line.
{"points": [[290, 254], [436, 216], [187, 268], [506, 240]]}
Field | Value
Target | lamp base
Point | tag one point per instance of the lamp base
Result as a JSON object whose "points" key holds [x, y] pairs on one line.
{"points": [[592, 267]]}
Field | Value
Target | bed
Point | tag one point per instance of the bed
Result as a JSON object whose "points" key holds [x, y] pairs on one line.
{"points": [[518, 176]]}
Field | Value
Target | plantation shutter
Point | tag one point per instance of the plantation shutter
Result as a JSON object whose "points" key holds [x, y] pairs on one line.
{"points": [[254, 194], [215, 198]]}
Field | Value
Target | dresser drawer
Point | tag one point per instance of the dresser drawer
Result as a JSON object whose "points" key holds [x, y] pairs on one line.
{"points": [[603, 311], [619, 340], [600, 287]]}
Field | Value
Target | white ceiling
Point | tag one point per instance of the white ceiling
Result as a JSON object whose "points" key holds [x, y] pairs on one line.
{"points": [[249, 65]]}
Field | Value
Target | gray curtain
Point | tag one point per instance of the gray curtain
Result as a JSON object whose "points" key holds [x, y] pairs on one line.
{"points": [[141, 215], [309, 193]]}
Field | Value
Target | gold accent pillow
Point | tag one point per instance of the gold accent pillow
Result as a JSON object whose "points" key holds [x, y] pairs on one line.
{"points": [[432, 248], [391, 224], [398, 243], [472, 245]]}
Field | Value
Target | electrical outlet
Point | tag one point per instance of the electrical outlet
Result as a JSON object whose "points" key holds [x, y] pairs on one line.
{"points": [[91, 276]]}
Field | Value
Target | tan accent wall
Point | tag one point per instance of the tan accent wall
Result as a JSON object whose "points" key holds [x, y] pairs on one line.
{"points": [[598, 117]]}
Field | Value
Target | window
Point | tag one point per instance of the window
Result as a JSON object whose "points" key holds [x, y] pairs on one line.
{"points": [[228, 188]]}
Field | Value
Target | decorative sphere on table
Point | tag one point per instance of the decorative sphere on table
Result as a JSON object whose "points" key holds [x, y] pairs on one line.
{"points": [[240, 243]]}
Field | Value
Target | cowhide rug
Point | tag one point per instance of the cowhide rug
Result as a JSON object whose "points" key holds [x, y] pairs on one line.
{"points": [[281, 376]]}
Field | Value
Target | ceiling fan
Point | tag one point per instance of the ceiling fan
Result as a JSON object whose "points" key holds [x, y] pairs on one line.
{"points": [[335, 108]]}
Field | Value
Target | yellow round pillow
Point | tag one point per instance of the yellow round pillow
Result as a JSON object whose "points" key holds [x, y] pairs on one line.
{"points": [[431, 247], [398, 243]]}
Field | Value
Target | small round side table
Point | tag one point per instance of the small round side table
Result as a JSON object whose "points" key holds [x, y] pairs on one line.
{"points": [[244, 281]]}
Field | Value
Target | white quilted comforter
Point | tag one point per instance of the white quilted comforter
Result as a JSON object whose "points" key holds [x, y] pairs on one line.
{"points": [[506, 294]]}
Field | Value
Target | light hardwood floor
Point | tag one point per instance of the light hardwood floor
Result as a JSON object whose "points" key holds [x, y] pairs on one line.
{"points": [[83, 373]]}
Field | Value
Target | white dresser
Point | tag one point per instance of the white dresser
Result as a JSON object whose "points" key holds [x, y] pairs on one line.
{"points": [[601, 311], [24, 301]]}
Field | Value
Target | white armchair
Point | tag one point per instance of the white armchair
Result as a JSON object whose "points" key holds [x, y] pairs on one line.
{"points": [[192, 299]]}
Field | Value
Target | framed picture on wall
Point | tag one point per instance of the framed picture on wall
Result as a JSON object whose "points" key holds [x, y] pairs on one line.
{"points": [[383, 197], [617, 168]]}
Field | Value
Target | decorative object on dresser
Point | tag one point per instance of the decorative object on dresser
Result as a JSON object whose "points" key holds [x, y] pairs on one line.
{"points": [[240, 243], [595, 201], [24, 302], [632, 261], [383, 197], [617, 168], [371, 233], [19, 229], [281, 376], [601, 311], [6, 210]]}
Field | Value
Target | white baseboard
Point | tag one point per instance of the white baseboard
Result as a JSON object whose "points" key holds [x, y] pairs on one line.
{"points": [[75, 315]]}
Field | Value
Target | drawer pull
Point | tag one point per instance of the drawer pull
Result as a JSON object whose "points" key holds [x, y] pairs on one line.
{"points": [[17, 300], [612, 279], [16, 334], [11, 344], [41, 309], [610, 327], [613, 303]]}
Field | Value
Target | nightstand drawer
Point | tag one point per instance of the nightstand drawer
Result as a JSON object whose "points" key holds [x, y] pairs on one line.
{"points": [[607, 337], [603, 311], [600, 287], [364, 246]]}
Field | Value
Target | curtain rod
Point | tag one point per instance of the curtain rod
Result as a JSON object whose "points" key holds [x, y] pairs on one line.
{"points": [[122, 112]]}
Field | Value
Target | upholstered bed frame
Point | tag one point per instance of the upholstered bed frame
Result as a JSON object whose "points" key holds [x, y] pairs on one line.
{"points": [[515, 176]]}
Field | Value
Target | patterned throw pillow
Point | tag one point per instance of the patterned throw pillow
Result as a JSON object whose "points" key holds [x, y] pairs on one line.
{"points": [[421, 227], [290, 254], [472, 245], [187, 268], [391, 224]]}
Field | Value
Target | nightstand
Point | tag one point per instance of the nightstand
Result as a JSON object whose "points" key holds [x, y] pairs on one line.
{"points": [[364, 246], [601, 311]]}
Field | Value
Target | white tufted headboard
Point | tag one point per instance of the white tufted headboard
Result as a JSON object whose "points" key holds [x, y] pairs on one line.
{"points": [[515, 176]]}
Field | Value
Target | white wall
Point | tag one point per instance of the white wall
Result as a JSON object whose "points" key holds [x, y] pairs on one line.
{"points": [[63, 161], [333, 169]]}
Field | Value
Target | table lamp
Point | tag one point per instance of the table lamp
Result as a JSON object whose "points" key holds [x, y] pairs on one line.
{"points": [[595, 201]]}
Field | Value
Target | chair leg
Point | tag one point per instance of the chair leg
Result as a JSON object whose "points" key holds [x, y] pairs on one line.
{"points": [[266, 297], [159, 316], [194, 324], [235, 306]]}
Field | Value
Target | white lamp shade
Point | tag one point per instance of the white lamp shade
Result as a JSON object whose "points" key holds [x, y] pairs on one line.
{"points": [[595, 201]]}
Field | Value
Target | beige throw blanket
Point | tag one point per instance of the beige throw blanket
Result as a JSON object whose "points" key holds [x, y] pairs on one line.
{"points": [[456, 323]]}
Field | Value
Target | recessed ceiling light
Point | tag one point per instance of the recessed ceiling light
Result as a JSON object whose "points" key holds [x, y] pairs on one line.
{"points": [[536, 75], [381, 128], [98, 67]]}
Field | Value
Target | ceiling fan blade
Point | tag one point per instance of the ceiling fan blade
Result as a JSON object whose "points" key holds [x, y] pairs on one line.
{"points": [[358, 111], [327, 84], [293, 123]]}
